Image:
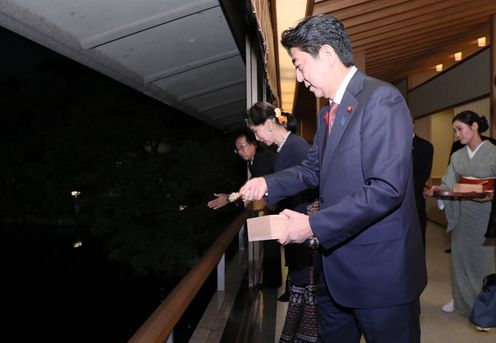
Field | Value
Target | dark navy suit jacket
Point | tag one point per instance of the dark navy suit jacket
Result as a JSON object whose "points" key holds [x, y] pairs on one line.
{"points": [[367, 224], [262, 164]]}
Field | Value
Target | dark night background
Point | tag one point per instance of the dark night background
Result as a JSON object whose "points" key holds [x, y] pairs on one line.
{"points": [[135, 161]]}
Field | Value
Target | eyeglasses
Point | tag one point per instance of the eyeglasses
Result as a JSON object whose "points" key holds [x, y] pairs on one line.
{"points": [[240, 148]]}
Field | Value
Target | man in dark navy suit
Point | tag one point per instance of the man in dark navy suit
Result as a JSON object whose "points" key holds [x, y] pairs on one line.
{"points": [[422, 154], [373, 267]]}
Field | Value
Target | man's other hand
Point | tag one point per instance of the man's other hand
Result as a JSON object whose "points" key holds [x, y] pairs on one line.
{"points": [[219, 201], [254, 189], [299, 229]]}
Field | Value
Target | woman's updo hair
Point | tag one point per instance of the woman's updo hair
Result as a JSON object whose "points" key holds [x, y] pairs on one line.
{"points": [[261, 111], [469, 117]]}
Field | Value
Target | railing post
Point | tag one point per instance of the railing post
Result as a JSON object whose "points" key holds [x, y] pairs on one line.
{"points": [[251, 264], [255, 251], [241, 238], [159, 326], [221, 274], [255, 259]]}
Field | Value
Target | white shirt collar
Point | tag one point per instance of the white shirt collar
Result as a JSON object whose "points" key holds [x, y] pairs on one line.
{"points": [[342, 87]]}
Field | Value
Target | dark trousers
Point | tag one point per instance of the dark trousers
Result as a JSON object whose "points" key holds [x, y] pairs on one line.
{"points": [[420, 202], [338, 324]]}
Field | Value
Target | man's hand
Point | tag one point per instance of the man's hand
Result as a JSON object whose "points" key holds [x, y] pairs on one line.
{"points": [[429, 192], [298, 230], [254, 189], [219, 201]]}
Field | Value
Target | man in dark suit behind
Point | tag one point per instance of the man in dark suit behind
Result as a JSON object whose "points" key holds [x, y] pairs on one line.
{"points": [[259, 161], [422, 154], [373, 267]]}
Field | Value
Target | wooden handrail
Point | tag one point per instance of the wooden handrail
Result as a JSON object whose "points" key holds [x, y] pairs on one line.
{"points": [[162, 321]]}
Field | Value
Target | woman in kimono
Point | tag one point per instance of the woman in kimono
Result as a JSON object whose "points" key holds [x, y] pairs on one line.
{"points": [[472, 255], [271, 126]]}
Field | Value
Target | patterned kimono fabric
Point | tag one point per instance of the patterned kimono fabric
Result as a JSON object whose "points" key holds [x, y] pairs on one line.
{"points": [[473, 256], [301, 323]]}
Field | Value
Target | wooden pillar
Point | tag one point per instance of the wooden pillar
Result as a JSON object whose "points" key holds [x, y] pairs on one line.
{"points": [[492, 52], [305, 111], [359, 59]]}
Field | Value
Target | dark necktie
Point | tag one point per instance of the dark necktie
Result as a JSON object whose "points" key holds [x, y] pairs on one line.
{"points": [[332, 116]]}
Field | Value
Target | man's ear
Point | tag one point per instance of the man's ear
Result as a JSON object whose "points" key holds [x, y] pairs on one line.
{"points": [[327, 50]]}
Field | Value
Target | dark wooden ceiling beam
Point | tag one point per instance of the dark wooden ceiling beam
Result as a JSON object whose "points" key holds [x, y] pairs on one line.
{"points": [[409, 62], [425, 40], [428, 16], [410, 65], [402, 37], [366, 8], [417, 60], [336, 5], [403, 32], [406, 67], [390, 12], [442, 48]]}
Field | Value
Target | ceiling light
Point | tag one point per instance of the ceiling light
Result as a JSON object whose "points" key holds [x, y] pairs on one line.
{"points": [[481, 42], [458, 56], [439, 67]]}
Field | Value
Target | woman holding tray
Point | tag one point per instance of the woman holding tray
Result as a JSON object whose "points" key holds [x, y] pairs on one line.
{"points": [[271, 126], [473, 257]]}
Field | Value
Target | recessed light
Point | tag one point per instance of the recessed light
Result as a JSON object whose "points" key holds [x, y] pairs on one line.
{"points": [[481, 42]]}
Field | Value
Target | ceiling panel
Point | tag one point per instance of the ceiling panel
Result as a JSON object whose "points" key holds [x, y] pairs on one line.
{"points": [[174, 44], [207, 78], [89, 18], [218, 98], [180, 52], [222, 111]]}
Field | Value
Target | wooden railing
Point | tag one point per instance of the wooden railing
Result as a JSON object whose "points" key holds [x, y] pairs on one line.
{"points": [[161, 323]]}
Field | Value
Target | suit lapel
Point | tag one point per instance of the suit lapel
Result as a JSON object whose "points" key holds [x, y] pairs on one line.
{"points": [[345, 113], [323, 132]]}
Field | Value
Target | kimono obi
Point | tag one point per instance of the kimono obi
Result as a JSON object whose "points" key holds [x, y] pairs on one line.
{"points": [[473, 184]]}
